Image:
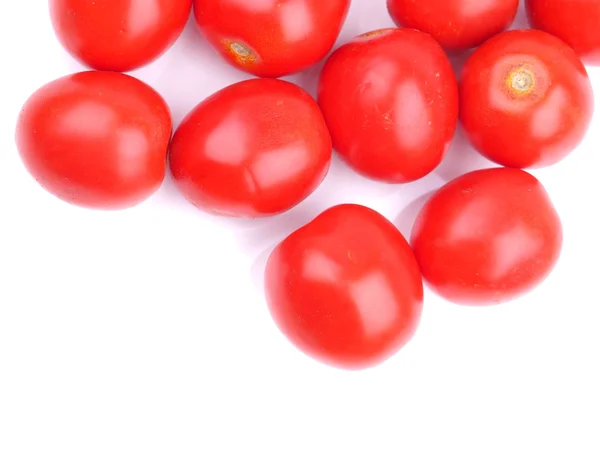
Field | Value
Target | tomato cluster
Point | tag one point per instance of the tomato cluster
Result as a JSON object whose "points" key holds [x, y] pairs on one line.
{"points": [[346, 288]]}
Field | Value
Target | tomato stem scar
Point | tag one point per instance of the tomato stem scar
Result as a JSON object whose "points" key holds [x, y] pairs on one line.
{"points": [[521, 81]]}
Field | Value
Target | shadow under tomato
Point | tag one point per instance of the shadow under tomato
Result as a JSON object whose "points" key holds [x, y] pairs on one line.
{"points": [[406, 219]]}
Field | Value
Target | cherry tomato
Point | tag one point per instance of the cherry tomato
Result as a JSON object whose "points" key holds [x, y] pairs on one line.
{"points": [[345, 288], [487, 237], [455, 24], [253, 149], [574, 21], [118, 35], [271, 38], [96, 139], [390, 100], [525, 99]]}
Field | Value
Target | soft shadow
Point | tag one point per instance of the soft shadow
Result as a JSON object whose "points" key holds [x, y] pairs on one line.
{"points": [[521, 21], [257, 270], [406, 219], [309, 78], [461, 158]]}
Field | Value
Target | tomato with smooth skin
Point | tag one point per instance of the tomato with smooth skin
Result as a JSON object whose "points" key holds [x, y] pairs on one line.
{"points": [[96, 139], [118, 35], [390, 99], [487, 237], [254, 149], [525, 99], [455, 24], [345, 288], [577, 22], [271, 38]]}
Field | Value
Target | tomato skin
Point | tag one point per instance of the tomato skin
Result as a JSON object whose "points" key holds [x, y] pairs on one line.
{"points": [[390, 99], [534, 125], [345, 288], [487, 237], [254, 149], [574, 21], [273, 38], [96, 139], [455, 24], [118, 35]]}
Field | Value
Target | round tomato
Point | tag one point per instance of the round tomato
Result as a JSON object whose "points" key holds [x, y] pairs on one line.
{"points": [[525, 99], [118, 35], [390, 100], [271, 38], [487, 237], [574, 21], [455, 24], [253, 149], [345, 288]]}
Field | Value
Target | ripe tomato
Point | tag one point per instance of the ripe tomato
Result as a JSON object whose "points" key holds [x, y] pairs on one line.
{"points": [[345, 288], [271, 38], [455, 24], [390, 100], [574, 21], [487, 237], [118, 35], [253, 149], [525, 99], [96, 139]]}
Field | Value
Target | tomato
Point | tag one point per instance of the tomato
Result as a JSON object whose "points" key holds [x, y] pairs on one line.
{"points": [[390, 100], [96, 139], [253, 149], [118, 35], [574, 21], [271, 38], [487, 237], [525, 99], [455, 24], [345, 288]]}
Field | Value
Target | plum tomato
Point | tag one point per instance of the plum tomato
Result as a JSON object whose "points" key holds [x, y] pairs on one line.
{"points": [[271, 38], [345, 288], [525, 99], [96, 139], [118, 35], [487, 237], [390, 99], [455, 24], [253, 149], [577, 22]]}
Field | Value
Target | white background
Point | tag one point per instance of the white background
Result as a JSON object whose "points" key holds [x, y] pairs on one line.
{"points": [[147, 328]]}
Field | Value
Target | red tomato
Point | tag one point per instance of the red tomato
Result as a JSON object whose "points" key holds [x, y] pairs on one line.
{"points": [[271, 38], [576, 22], [390, 100], [253, 149], [487, 237], [455, 24], [118, 35], [345, 288], [525, 99], [96, 139]]}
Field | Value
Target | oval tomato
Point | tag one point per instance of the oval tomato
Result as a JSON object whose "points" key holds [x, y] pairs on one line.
{"points": [[271, 38], [487, 237], [574, 21], [525, 99], [255, 148], [118, 35], [455, 24], [345, 288], [96, 139], [390, 100]]}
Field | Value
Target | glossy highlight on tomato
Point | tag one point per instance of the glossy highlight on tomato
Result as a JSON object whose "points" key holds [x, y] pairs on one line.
{"points": [[487, 237], [345, 288], [118, 35], [254, 149], [271, 38], [525, 99], [96, 139], [390, 99], [455, 24]]}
